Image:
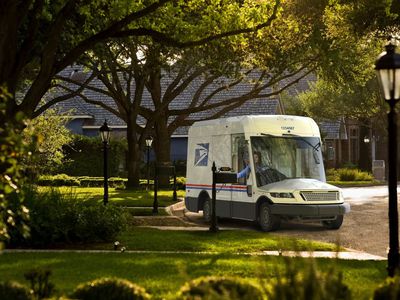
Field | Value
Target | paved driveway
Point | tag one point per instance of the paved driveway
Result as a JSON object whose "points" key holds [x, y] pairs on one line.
{"points": [[365, 228]]}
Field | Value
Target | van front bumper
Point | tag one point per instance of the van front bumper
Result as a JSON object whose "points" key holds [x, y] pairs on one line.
{"points": [[310, 210]]}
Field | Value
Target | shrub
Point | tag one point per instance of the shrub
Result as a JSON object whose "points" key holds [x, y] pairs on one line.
{"points": [[87, 181], [110, 289], [219, 288], [85, 157], [14, 290], [13, 152], [311, 284], [41, 287], [180, 183], [60, 218], [353, 175], [100, 222], [58, 180], [390, 289], [332, 175]]}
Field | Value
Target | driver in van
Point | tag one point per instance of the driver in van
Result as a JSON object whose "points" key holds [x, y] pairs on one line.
{"points": [[264, 174], [246, 170]]}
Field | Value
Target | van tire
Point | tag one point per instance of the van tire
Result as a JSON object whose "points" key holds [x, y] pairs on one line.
{"points": [[266, 220], [207, 211], [334, 224]]}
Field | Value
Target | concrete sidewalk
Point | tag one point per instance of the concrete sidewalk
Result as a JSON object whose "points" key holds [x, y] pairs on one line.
{"points": [[345, 255]]}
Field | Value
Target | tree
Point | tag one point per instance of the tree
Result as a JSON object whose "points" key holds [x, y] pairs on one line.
{"points": [[40, 38], [13, 150], [126, 83], [50, 136], [285, 51]]}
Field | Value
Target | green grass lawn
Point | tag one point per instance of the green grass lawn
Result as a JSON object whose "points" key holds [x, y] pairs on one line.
{"points": [[163, 274], [137, 198], [226, 241]]}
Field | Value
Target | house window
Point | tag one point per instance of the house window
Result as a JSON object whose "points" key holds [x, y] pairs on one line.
{"points": [[354, 147], [331, 153]]}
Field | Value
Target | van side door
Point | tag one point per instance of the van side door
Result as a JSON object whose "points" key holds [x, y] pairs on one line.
{"points": [[242, 206], [221, 154]]}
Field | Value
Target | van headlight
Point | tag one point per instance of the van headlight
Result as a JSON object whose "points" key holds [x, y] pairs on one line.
{"points": [[281, 195]]}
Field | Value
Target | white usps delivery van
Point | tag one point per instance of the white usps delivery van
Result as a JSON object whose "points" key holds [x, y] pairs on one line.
{"points": [[278, 165]]}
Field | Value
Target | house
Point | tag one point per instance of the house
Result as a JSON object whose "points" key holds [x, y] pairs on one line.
{"points": [[341, 141]]}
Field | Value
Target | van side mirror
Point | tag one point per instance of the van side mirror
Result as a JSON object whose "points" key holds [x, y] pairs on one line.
{"points": [[249, 190], [316, 157]]}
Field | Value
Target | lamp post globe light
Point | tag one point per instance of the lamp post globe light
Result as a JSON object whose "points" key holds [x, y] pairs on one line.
{"points": [[388, 71], [149, 142], [105, 133]]}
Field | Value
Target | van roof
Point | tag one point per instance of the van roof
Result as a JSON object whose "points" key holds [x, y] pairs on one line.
{"points": [[258, 124]]}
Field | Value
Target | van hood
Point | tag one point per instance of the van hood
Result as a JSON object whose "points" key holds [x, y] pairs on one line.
{"points": [[291, 185]]}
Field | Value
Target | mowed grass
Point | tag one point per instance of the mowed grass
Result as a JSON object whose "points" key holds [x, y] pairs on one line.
{"points": [[226, 241], [137, 198], [162, 274]]}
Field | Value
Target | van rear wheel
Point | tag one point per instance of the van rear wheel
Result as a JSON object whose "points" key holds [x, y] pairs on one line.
{"points": [[207, 211], [333, 224], [268, 221]]}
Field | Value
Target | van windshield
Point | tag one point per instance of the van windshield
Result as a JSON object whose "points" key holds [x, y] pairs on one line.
{"points": [[279, 158]]}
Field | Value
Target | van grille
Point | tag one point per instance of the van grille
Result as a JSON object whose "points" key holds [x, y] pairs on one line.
{"points": [[320, 196]]}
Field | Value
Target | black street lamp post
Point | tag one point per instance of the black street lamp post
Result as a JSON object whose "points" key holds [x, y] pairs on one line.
{"points": [[105, 137], [388, 69], [149, 141]]}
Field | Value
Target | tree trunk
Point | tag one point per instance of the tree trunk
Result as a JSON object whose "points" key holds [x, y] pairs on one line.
{"points": [[364, 159], [134, 155], [162, 147]]}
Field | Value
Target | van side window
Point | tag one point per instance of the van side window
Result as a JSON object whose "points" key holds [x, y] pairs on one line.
{"points": [[239, 154]]}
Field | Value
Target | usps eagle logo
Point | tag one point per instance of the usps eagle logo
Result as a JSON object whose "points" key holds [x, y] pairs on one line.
{"points": [[201, 154]]}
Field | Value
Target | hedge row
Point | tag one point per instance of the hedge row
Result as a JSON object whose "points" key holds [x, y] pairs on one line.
{"points": [[86, 181]]}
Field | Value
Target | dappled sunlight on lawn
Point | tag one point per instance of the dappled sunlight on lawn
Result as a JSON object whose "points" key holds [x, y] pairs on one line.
{"points": [[138, 198]]}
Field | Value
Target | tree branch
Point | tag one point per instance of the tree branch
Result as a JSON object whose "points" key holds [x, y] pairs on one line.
{"points": [[72, 93], [107, 33], [164, 39]]}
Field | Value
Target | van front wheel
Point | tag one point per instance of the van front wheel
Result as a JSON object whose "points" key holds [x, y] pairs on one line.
{"points": [[268, 221], [334, 224], [207, 211]]}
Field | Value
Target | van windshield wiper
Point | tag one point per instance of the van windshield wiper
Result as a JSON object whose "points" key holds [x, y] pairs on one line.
{"points": [[315, 147]]}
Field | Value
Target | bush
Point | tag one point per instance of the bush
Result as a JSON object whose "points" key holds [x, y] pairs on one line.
{"points": [[311, 284], [390, 289], [41, 286], [14, 290], [219, 288], [58, 180], [353, 175], [84, 181], [347, 174], [332, 175], [85, 157], [14, 151], [110, 289], [60, 218], [180, 183], [100, 222], [87, 181]]}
